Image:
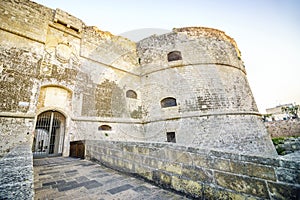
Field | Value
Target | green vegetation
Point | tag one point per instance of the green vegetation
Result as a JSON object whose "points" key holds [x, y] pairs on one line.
{"points": [[278, 140], [291, 110]]}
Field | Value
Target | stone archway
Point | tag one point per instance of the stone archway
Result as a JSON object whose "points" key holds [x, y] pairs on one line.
{"points": [[49, 134]]}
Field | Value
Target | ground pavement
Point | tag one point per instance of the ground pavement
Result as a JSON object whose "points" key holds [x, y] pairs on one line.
{"points": [[71, 178]]}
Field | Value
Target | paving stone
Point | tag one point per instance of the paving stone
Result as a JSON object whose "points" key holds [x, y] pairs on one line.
{"points": [[92, 184], [101, 175], [81, 179], [71, 171], [49, 183], [142, 189], [120, 189]]}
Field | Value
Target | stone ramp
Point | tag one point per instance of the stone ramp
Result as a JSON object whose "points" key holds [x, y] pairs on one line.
{"points": [[71, 178]]}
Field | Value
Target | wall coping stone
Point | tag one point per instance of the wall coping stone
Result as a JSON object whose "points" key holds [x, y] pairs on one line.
{"points": [[16, 173]]}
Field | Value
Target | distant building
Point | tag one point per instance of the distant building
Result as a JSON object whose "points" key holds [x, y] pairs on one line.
{"points": [[277, 113]]}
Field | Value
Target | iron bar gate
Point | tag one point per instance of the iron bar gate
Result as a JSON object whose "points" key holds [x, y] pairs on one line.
{"points": [[49, 134]]}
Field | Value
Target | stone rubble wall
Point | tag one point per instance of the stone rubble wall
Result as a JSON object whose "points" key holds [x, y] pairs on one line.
{"points": [[201, 173], [288, 145], [283, 128], [16, 173], [13, 132]]}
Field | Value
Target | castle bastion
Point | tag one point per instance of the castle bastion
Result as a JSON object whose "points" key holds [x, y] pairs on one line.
{"points": [[63, 81]]}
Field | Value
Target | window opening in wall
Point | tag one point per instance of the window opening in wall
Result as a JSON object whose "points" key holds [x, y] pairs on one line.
{"points": [[131, 94], [66, 25], [62, 23], [171, 137], [174, 55], [104, 128], [168, 102]]}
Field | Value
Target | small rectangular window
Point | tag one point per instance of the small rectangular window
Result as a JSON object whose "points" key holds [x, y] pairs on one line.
{"points": [[171, 137]]}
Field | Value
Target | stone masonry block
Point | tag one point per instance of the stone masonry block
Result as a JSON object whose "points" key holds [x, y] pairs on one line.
{"points": [[162, 178], [119, 163], [261, 171], [288, 175], [251, 169], [214, 192], [220, 164], [171, 167], [129, 166], [200, 160], [128, 155], [153, 162], [155, 151], [138, 158], [283, 191], [144, 171], [143, 150], [260, 160], [183, 157], [242, 184], [197, 174], [187, 186], [177, 156], [116, 153], [294, 164], [104, 151], [224, 155], [130, 148]]}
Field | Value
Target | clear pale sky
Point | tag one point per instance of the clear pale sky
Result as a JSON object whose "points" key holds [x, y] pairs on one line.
{"points": [[267, 33]]}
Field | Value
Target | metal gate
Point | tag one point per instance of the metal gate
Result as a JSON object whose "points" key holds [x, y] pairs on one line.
{"points": [[49, 134]]}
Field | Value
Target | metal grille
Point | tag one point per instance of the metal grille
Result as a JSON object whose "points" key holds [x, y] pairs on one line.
{"points": [[49, 134]]}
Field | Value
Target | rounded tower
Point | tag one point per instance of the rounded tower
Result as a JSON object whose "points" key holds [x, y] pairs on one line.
{"points": [[195, 92]]}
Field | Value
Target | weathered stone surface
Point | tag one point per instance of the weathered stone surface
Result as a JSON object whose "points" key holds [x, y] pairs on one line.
{"points": [[171, 167], [14, 131], [288, 175], [211, 175], [192, 188], [200, 160], [283, 128], [242, 184], [254, 170], [85, 73], [283, 191], [212, 192], [16, 173], [197, 174], [220, 164], [162, 178]]}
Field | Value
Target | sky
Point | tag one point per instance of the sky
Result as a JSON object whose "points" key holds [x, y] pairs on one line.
{"points": [[267, 33]]}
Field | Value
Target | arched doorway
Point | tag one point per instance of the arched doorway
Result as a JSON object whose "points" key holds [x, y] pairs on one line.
{"points": [[49, 134]]}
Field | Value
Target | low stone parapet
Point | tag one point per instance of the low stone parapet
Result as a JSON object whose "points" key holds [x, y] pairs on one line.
{"points": [[16, 173], [201, 173]]}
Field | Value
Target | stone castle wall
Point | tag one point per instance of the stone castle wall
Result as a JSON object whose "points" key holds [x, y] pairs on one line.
{"points": [[215, 106], [51, 61], [283, 128], [201, 173], [16, 177]]}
